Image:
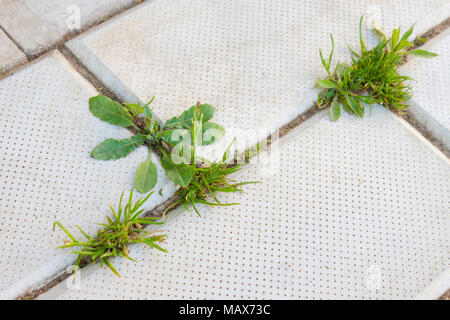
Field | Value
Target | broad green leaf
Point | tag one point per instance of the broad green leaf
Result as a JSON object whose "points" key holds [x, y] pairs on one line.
{"points": [[110, 111], [347, 108], [136, 107], [212, 132], [335, 110], [328, 94], [423, 53], [354, 105], [174, 123], [116, 149], [180, 174], [325, 84], [341, 68], [182, 152], [208, 111], [357, 106], [186, 118], [175, 136], [205, 109], [146, 176]]}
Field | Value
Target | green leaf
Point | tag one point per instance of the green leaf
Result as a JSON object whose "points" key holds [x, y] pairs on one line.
{"points": [[174, 136], [116, 149], [335, 110], [402, 45], [146, 176], [212, 132], [174, 123], [361, 40], [180, 174], [187, 116], [110, 111], [208, 111], [325, 84], [148, 112], [395, 36], [423, 53], [407, 33], [341, 69], [135, 107], [332, 50], [324, 63], [357, 106]]}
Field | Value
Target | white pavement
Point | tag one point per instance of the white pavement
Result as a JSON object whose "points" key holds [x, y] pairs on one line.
{"points": [[10, 55], [356, 210], [39, 24], [431, 84], [256, 61], [47, 174]]}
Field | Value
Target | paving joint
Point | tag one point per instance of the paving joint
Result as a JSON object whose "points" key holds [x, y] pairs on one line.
{"points": [[61, 43]]}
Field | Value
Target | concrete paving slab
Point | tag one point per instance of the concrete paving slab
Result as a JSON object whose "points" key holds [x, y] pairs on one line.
{"points": [[257, 61], [47, 174], [357, 209], [431, 95], [10, 55], [39, 24]]}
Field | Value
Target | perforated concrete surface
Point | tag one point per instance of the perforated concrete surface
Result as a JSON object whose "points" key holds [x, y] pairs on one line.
{"points": [[431, 93], [10, 55], [356, 209], [350, 213], [47, 174], [257, 61], [38, 24]]}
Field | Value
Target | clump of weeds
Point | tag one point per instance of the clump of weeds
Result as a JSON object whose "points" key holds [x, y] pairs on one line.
{"points": [[176, 142], [124, 228], [207, 181], [371, 78], [159, 137]]}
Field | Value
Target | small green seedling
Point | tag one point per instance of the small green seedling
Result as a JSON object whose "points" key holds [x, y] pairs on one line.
{"points": [[161, 138], [124, 228], [371, 78]]}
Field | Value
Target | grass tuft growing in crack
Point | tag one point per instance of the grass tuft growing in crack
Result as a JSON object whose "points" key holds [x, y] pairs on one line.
{"points": [[207, 181], [124, 228], [371, 78]]}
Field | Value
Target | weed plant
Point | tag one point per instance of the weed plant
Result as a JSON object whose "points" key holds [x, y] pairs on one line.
{"points": [[124, 228], [161, 138], [371, 78]]}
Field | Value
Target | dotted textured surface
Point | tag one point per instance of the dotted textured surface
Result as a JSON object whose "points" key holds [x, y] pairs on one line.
{"points": [[257, 61], [47, 174], [10, 55], [432, 82], [38, 24], [351, 213]]}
